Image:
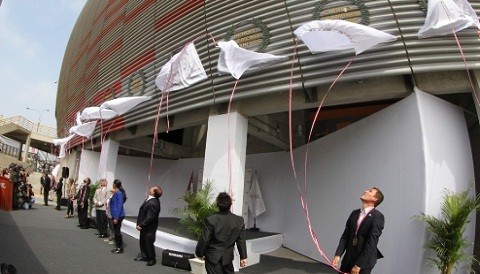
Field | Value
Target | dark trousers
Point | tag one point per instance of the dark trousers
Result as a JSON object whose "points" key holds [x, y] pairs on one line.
{"points": [[111, 232], [59, 200], [363, 271], [147, 239], [102, 221], [70, 207], [45, 195], [218, 268], [118, 233], [83, 215]]}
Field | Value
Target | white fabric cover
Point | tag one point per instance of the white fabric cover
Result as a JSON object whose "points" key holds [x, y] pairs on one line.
{"points": [[256, 206], [84, 130], [93, 113], [182, 70], [62, 142], [333, 35], [448, 16], [236, 60], [122, 105], [78, 120]]}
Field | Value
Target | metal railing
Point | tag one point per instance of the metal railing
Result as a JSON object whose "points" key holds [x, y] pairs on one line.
{"points": [[30, 126]]}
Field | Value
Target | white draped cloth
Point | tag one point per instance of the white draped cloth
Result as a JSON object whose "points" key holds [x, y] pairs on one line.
{"points": [[256, 206], [122, 105], [182, 70], [84, 130], [332, 35], [94, 113], [236, 60], [62, 142], [448, 16]]}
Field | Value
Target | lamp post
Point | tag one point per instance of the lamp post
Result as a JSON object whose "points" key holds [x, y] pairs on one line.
{"points": [[40, 115]]}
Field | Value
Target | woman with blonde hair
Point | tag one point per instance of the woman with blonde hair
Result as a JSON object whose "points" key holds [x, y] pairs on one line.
{"points": [[71, 191]]}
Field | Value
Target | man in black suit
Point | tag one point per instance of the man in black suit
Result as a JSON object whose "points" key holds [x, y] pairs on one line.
{"points": [[82, 204], [58, 191], [361, 234], [46, 184], [220, 233], [147, 223]]}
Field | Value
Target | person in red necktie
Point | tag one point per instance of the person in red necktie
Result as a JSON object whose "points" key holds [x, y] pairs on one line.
{"points": [[360, 238]]}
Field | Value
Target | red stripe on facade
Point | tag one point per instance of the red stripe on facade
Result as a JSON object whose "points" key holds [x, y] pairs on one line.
{"points": [[113, 125], [92, 58], [147, 57], [110, 50], [102, 13], [90, 76], [111, 12], [138, 10], [178, 13]]}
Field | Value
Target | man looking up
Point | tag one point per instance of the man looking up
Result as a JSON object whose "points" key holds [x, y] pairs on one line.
{"points": [[361, 234], [147, 223]]}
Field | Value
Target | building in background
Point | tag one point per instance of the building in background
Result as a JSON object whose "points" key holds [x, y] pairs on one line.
{"points": [[397, 104]]}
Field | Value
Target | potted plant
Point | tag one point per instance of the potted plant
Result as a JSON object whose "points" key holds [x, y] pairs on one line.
{"points": [[447, 240], [199, 205]]}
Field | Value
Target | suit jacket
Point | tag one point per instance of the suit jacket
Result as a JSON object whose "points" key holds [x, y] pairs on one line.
{"points": [[83, 196], [221, 231], [148, 215], [58, 188], [365, 253]]}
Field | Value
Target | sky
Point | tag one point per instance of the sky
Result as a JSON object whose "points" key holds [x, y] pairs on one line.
{"points": [[33, 38]]}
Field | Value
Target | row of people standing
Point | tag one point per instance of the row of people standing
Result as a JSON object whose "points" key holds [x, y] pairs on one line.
{"points": [[109, 209]]}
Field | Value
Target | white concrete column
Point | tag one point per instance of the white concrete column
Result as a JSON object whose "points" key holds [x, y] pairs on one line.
{"points": [[108, 160], [226, 132], [26, 148]]}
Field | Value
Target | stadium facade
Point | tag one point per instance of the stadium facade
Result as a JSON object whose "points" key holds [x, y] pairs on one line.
{"points": [[401, 117]]}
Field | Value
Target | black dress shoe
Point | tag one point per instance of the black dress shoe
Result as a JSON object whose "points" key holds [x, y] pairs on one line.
{"points": [[152, 262], [117, 250], [140, 259], [102, 236], [79, 226]]}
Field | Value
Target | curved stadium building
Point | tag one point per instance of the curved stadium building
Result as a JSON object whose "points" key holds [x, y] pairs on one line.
{"points": [[403, 116]]}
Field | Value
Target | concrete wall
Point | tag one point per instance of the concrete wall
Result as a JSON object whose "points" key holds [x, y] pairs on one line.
{"points": [[411, 150]]}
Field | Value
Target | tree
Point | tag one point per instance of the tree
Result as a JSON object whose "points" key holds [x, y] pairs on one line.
{"points": [[447, 238]]}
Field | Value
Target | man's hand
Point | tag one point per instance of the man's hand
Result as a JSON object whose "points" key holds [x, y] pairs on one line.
{"points": [[335, 261], [355, 270], [201, 258], [139, 228], [114, 221], [243, 263]]}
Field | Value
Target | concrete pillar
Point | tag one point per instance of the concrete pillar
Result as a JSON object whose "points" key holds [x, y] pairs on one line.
{"points": [[108, 160], [226, 132], [26, 149]]}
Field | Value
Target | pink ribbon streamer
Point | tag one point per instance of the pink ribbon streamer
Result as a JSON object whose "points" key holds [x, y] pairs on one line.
{"points": [[303, 193]]}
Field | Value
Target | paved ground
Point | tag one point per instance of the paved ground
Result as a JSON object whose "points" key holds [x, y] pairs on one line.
{"points": [[41, 240]]}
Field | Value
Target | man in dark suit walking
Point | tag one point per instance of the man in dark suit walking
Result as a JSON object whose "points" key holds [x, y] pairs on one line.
{"points": [[361, 234], [220, 233], [147, 223], [46, 184]]}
